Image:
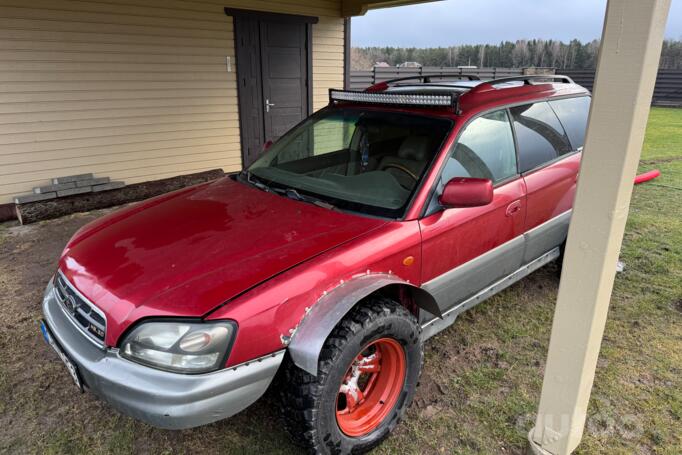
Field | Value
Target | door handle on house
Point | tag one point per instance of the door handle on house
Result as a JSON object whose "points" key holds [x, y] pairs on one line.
{"points": [[268, 105], [513, 208]]}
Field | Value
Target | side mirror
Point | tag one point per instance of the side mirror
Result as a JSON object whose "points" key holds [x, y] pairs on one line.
{"points": [[467, 192], [267, 145]]}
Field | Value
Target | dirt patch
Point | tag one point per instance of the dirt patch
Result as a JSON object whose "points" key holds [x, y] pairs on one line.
{"points": [[662, 160], [678, 305], [32, 381]]}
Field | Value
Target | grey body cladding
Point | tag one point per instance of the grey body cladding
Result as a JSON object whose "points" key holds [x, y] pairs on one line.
{"points": [[471, 283], [454, 286], [546, 236]]}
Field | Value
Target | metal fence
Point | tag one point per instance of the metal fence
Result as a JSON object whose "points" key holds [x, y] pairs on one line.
{"points": [[360, 80], [668, 91]]}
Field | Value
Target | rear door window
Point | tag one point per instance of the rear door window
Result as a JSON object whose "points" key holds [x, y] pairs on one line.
{"points": [[540, 135], [573, 113]]}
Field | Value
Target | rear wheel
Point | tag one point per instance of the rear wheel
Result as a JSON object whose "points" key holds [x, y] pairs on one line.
{"points": [[367, 375]]}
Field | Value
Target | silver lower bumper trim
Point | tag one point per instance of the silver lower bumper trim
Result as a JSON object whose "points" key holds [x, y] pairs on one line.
{"points": [[162, 399]]}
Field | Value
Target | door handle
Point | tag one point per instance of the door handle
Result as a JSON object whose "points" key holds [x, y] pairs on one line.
{"points": [[513, 208], [268, 105]]}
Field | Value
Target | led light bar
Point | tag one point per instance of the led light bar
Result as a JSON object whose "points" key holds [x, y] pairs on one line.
{"points": [[405, 99]]}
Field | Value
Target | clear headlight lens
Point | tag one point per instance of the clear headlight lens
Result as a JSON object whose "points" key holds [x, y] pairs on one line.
{"points": [[182, 347]]}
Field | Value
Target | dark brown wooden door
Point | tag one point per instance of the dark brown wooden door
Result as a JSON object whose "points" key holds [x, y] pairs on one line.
{"points": [[272, 70], [284, 67], [250, 88]]}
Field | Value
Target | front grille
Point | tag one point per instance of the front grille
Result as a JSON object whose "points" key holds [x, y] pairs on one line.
{"points": [[87, 317]]}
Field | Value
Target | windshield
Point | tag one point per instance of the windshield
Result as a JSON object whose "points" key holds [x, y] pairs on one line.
{"points": [[360, 160]]}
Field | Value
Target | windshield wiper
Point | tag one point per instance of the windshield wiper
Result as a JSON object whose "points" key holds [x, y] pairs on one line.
{"points": [[292, 193], [255, 181]]}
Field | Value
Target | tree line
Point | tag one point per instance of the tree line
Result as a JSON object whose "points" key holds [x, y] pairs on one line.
{"points": [[507, 54]]}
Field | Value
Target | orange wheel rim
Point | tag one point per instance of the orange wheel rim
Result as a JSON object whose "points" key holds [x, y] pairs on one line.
{"points": [[371, 386]]}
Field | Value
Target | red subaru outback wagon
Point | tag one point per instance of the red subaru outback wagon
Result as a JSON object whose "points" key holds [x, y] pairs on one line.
{"points": [[359, 234]]}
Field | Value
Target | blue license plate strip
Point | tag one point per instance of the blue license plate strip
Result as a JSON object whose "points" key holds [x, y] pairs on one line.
{"points": [[70, 366]]}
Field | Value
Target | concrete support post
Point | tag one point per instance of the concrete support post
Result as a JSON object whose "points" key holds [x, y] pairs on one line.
{"points": [[626, 73]]}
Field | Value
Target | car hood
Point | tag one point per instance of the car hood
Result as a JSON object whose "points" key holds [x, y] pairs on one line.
{"points": [[187, 252]]}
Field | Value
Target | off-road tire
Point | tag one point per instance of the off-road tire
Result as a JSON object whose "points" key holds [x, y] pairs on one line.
{"points": [[308, 403]]}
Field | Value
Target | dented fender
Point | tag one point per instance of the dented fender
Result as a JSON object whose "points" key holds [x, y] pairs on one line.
{"points": [[309, 337]]}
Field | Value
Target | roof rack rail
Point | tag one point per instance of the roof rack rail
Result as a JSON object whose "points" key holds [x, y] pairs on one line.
{"points": [[527, 80], [425, 78]]}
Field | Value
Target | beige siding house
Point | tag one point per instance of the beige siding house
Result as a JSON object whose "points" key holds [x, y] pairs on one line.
{"points": [[140, 90]]}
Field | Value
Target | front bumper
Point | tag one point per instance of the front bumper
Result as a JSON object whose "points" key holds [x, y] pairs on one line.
{"points": [[162, 399]]}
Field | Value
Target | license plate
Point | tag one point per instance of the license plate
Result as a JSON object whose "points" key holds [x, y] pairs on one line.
{"points": [[70, 366]]}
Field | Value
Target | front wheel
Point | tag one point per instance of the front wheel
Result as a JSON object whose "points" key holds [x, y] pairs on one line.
{"points": [[367, 375]]}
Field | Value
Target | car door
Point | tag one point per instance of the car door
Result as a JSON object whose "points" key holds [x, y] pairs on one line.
{"points": [[549, 161], [466, 249]]}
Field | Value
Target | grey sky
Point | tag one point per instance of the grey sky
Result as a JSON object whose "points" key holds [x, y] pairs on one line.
{"points": [[453, 22]]}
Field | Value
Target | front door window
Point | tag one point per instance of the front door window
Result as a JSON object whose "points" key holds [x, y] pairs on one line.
{"points": [[485, 150]]}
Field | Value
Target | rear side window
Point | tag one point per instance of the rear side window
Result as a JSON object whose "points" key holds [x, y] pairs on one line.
{"points": [[572, 113], [539, 133], [485, 150]]}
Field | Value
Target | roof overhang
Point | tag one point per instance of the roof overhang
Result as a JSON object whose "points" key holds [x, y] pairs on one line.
{"points": [[360, 7]]}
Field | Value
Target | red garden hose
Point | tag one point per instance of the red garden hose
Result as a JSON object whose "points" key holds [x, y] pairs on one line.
{"points": [[641, 178]]}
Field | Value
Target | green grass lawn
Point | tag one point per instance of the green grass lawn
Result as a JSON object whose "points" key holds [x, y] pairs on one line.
{"points": [[482, 377], [663, 135]]}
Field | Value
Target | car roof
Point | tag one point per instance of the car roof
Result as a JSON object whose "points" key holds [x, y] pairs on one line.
{"points": [[477, 94], [444, 86], [459, 86]]}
